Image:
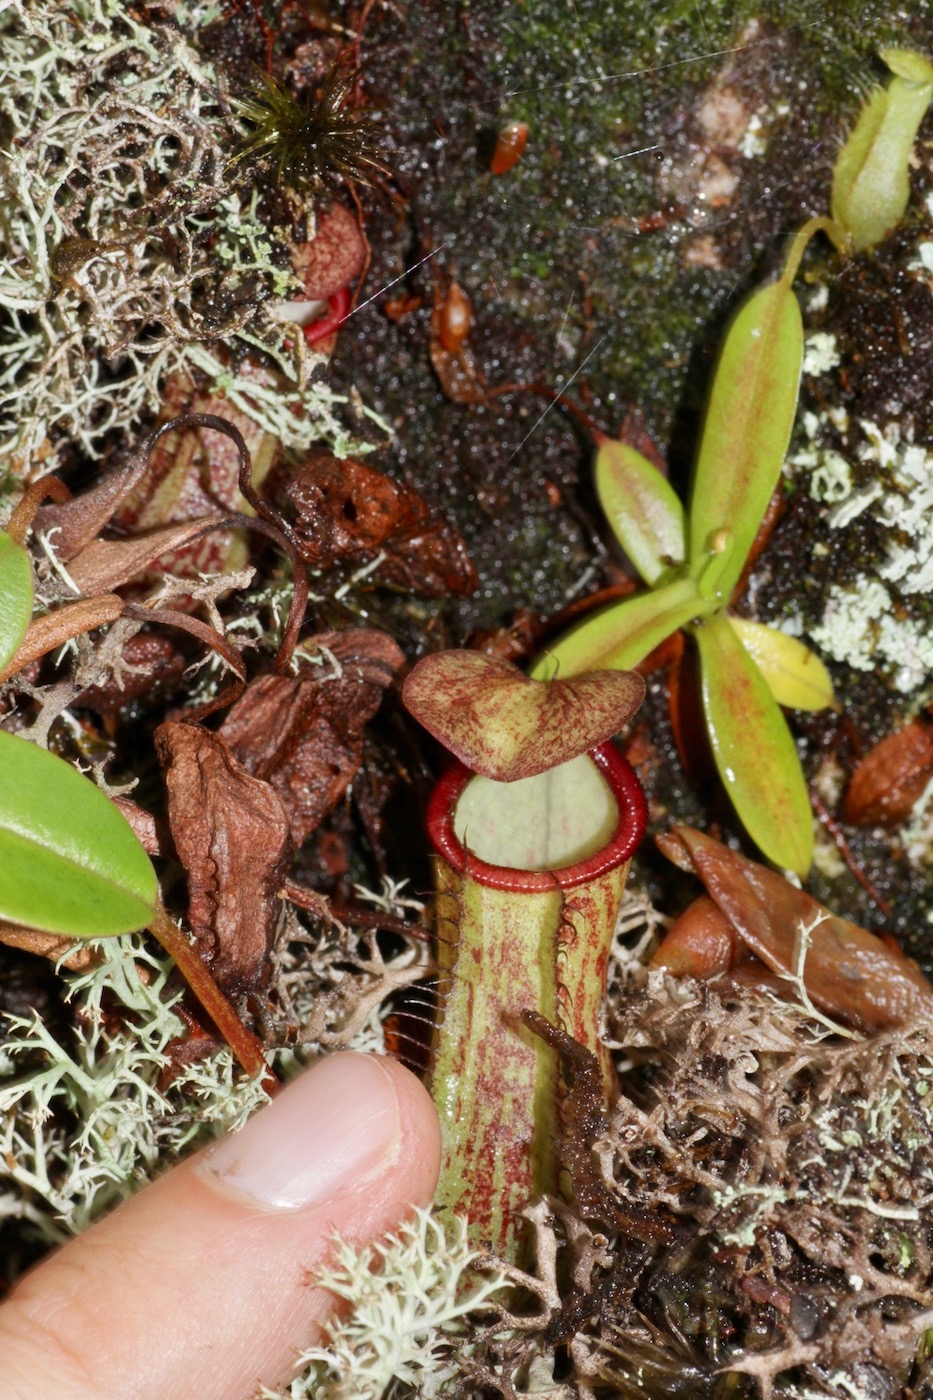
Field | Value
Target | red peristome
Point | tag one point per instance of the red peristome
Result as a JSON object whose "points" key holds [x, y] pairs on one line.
{"points": [[338, 307], [633, 814]]}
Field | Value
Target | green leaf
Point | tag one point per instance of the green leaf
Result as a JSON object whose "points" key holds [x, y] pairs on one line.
{"points": [[644, 511], [871, 181], [15, 597], [909, 64], [620, 635], [69, 861], [753, 748], [748, 426], [794, 674]]}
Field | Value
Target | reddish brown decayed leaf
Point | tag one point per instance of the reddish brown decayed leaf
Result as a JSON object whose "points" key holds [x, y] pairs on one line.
{"points": [[848, 972], [505, 725], [49, 945], [701, 942], [193, 472], [148, 830], [150, 665], [342, 510], [231, 835], [104, 565], [53, 629], [334, 257], [171, 498], [890, 778], [304, 734], [74, 523]]}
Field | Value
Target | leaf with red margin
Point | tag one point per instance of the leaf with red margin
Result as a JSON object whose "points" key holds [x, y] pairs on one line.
{"points": [[747, 428], [642, 508]]}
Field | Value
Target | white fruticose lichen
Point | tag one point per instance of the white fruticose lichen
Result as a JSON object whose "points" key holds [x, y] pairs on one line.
{"points": [[83, 1121], [859, 628], [410, 1297], [124, 254], [889, 483], [821, 353]]}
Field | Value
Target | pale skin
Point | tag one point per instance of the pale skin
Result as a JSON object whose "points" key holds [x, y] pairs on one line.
{"points": [[201, 1287]]}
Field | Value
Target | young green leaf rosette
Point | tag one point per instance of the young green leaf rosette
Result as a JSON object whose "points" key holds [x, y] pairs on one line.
{"points": [[530, 874], [693, 562]]}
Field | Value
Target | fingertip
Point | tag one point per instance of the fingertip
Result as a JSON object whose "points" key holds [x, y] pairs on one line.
{"points": [[420, 1161], [218, 1257]]}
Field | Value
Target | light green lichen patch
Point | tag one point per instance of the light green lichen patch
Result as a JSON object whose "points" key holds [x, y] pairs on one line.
{"points": [[859, 627], [125, 251], [885, 480], [82, 1119], [410, 1297]]}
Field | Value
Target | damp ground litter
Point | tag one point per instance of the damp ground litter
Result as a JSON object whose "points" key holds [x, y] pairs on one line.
{"points": [[284, 218]]}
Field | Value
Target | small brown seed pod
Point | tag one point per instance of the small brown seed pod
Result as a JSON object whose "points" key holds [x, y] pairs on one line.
{"points": [[456, 319], [510, 143]]}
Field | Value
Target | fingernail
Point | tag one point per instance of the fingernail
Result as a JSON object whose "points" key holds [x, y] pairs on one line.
{"points": [[323, 1135]]}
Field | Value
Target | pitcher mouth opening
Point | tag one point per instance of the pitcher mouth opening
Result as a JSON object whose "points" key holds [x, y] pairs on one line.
{"points": [[613, 850]]}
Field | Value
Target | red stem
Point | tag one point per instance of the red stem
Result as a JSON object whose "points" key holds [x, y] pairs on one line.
{"points": [[338, 307], [246, 1047]]}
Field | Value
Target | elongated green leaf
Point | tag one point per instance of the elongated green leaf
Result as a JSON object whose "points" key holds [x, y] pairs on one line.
{"points": [[753, 748], [642, 507], [622, 634], [748, 426], [15, 597], [794, 674], [69, 862], [871, 181]]}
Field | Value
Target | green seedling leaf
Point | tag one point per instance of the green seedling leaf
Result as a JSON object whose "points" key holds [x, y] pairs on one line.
{"points": [[747, 429], [909, 64], [505, 725], [753, 748], [794, 674], [641, 506], [620, 635], [871, 181], [15, 597], [69, 861]]}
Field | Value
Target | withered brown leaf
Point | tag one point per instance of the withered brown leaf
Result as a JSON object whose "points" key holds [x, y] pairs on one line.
{"points": [[150, 667], [304, 733], [50, 945], [890, 778], [230, 832], [848, 972], [345, 511], [104, 565]]}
